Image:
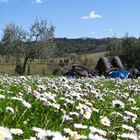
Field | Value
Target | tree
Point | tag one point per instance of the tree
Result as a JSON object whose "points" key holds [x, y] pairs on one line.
{"points": [[28, 44], [127, 48], [115, 47], [128, 53]]}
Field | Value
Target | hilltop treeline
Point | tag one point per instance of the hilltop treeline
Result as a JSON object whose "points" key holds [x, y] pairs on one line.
{"points": [[66, 46]]}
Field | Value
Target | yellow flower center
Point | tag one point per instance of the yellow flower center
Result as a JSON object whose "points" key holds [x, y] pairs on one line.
{"points": [[1, 135], [105, 122], [86, 113]]}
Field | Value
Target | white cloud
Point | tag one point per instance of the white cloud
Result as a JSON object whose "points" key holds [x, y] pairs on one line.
{"points": [[39, 1], [92, 15], [3, 1], [93, 33], [110, 30]]}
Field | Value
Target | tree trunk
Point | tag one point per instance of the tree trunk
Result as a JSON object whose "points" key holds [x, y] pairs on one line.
{"points": [[24, 65]]}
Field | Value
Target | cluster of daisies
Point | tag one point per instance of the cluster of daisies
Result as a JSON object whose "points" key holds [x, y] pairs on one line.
{"points": [[63, 108]]}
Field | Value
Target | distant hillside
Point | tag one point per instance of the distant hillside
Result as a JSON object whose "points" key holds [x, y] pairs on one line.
{"points": [[66, 46]]}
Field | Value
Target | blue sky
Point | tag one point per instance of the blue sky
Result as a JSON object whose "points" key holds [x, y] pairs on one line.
{"points": [[76, 18]]}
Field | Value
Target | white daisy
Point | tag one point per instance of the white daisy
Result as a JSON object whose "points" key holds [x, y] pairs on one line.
{"points": [[87, 115], [10, 109], [105, 121], [26, 104], [80, 126], [97, 131], [2, 96], [131, 136], [130, 128], [5, 133], [16, 131], [95, 137], [118, 104]]}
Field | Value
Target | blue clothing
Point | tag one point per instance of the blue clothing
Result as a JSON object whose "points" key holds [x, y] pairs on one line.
{"points": [[123, 74]]}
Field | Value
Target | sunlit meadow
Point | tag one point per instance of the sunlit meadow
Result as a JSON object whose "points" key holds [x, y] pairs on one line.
{"points": [[69, 109]]}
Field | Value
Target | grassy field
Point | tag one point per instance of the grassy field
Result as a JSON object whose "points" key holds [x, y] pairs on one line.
{"points": [[7, 68], [38, 67], [95, 56], [34, 69]]}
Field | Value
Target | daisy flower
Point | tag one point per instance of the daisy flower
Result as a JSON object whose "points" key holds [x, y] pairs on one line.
{"points": [[5, 133], [95, 130], [16, 131], [130, 128], [80, 126], [96, 137], [117, 104], [10, 109], [87, 115], [131, 136], [105, 121]]}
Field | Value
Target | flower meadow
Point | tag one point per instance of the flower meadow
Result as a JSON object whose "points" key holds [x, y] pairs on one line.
{"points": [[63, 108]]}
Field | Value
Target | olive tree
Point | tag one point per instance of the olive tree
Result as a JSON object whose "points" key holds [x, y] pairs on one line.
{"points": [[27, 44]]}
